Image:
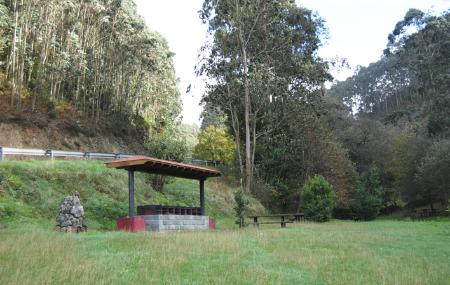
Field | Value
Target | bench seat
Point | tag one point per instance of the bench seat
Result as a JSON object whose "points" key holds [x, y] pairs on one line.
{"points": [[285, 222]]}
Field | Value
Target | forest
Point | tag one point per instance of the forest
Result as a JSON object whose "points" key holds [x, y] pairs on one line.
{"points": [[96, 56], [380, 139]]}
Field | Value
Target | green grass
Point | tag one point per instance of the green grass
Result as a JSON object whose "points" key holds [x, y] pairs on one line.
{"points": [[31, 190], [380, 252], [31, 252]]}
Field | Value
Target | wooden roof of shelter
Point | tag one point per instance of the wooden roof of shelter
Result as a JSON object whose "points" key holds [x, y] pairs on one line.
{"points": [[164, 167]]}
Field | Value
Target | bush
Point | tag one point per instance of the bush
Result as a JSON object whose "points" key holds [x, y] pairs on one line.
{"points": [[215, 144], [368, 197], [241, 205], [165, 147], [317, 197]]}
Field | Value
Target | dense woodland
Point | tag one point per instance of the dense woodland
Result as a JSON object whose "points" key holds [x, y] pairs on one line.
{"points": [[98, 56], [402, 120], [380, 139]]}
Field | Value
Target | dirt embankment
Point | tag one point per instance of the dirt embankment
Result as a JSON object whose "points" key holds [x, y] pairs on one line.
{"points": [[65, 129], [53, 137]]}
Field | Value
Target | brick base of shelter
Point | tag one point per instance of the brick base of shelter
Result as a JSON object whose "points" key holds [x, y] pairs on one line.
{"points": [[136, 224], [165, 223]]}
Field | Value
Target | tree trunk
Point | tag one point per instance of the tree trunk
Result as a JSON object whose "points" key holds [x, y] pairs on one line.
{"points": [[247, 110]]}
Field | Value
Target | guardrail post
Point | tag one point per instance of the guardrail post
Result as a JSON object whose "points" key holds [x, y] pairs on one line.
{"points": [[50, 153], [87, 155], [1, 153]]}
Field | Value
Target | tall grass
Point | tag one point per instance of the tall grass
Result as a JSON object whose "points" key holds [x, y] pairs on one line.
{"points": [[380, 252]]}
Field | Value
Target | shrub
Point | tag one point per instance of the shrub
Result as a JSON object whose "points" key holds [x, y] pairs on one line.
{"points": [[241, 205], [165, 147], [368, 197], [317, 197], [215, 144]]}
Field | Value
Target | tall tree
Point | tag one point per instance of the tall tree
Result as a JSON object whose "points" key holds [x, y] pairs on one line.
{"points": [[262, 56], [96, 54]]}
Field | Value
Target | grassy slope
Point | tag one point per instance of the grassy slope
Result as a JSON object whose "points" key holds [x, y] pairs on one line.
{"points": [[380, 252], [33, 190]]}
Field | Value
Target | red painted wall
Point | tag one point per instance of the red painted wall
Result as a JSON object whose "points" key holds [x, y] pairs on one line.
{"points": [[212, 224], [135, 224]]}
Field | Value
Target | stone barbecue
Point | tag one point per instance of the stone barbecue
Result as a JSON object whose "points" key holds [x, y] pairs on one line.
{"points": [[71, 215]]}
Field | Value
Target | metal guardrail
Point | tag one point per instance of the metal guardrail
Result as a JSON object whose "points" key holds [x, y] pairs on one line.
{"points": [[58, 153], [206, 162], [51, 153]]}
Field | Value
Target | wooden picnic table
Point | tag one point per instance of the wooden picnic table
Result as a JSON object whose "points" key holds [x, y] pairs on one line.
{"points": [[425, 213], [284, 219]]}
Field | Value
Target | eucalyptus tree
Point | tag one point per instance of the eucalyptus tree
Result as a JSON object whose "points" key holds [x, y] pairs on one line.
{"points": [[411, 79], [262, 57], [97, 54], [408, 91], [4, 27]]}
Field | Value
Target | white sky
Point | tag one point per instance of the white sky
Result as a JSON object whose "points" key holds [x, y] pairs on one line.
{"points": [[358, 31]]}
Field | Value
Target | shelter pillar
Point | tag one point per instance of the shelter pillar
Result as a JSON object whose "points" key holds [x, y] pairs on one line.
{"points": [[202, 197], [131, 193]]}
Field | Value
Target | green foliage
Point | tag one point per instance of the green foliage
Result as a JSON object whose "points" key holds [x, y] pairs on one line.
{"points": [[167, 147], [215, 144], [241, 207], [411, 75], [419, 168], [368, 196], [5, 27], [259, 85], [402, 124], [188, 133], [213, 116], [433, 174], [438, 124], [317, 197], [292, 153], [97, 55]]}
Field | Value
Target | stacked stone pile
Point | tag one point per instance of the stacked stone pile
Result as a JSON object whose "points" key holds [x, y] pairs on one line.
{"points": [[71, 215]]}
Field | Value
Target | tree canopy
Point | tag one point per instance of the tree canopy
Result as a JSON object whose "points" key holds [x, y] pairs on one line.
{"points": [[262, 63], [99, 55]]}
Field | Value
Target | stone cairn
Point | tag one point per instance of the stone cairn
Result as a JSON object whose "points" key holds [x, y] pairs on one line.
{"points": [[71, 215]]}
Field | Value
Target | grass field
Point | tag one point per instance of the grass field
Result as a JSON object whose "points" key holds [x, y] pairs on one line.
{"points": [[379, 252]]}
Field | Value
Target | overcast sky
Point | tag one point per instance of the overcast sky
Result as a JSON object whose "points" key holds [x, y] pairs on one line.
{"points": [[358, 31]]}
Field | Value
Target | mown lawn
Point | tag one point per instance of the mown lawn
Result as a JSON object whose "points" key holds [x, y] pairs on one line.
{"points": [[380, 252]]}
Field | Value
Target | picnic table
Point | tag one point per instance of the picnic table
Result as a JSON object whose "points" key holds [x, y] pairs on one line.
{"points": [[284, 219], [426, 213]]}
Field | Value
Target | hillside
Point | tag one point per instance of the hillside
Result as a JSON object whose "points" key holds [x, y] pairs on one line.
{"points": [[87, 76], [64, 128], [33, 191]]}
